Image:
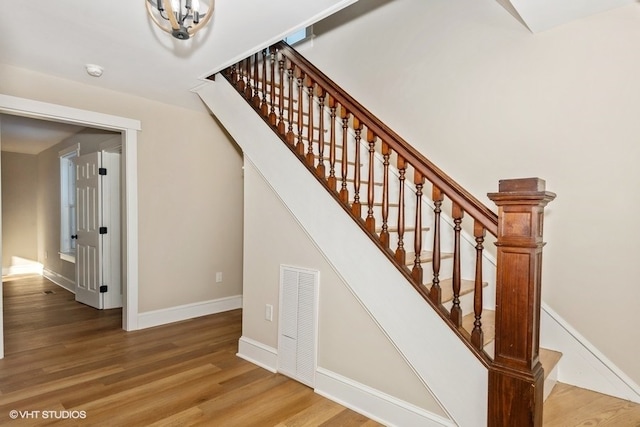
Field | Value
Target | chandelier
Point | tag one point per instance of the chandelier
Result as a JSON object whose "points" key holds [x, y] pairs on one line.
{"points": [[181, 18]]}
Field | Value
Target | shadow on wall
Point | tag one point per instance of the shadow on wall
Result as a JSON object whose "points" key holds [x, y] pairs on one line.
{"points": [[347, 15]]}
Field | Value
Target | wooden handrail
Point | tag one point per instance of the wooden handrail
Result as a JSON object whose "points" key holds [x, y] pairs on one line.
{"points": [[296, 83], [431, 172]]}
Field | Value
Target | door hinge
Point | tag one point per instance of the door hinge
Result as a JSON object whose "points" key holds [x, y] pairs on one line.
{"points": [[103, 289], [102, 171], [103, 230]]}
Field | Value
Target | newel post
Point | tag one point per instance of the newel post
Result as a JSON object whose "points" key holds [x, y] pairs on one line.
{"points": [[516, 376]]}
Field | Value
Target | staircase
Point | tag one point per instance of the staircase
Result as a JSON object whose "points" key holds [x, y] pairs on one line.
{"points": [[432, 232]]}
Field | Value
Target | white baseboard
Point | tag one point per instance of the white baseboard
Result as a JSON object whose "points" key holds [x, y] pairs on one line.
{"points": [[188, 311], [60, 280], [257, 353], [582, 364], [374, 404], [31, 268]]}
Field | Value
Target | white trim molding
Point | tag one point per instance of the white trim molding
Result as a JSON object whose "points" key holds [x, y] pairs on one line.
{"points": [[163, 316], [60, 280], [257, 353], [582, 364], [44, 110], [373, 403]]}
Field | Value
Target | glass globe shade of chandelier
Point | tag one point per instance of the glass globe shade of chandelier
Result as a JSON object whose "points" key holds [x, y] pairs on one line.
{"points": [[180, 18]]}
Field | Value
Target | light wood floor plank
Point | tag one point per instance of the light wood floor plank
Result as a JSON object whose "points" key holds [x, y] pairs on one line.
{"points": [[572, 406]]}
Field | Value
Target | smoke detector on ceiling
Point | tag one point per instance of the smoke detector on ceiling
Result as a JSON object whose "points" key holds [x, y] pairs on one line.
{"points": [[94, 70]]}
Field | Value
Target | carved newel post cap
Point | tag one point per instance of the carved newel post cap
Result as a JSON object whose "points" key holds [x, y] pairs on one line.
{"points": [[518, 190], [521, 184]]}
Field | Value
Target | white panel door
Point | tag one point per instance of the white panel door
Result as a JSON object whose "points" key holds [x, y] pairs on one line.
{"points": [[89, 240]]}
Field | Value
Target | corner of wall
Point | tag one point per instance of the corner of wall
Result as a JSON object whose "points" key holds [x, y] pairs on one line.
{"points": [[582, 364]]}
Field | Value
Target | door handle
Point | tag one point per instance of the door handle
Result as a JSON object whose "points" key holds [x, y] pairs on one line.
{"points": [[74, 236]]}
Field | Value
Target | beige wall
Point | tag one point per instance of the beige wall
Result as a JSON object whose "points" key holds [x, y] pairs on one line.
{"points": [[349, 341], [189, 190], [485, 99], [19, 207]]}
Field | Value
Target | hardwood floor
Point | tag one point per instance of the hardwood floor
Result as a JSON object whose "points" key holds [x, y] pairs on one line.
{"points": [[573, 406], [63, 356]]}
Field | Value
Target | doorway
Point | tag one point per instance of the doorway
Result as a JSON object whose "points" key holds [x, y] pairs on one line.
{"points": [[129, 128]]}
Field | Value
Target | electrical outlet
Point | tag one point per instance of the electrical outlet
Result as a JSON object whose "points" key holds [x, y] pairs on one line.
{"points": [[219, 277], [268, 313]]}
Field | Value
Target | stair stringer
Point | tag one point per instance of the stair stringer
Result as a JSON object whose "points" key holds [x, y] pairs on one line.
{"points": [[442, 361]]}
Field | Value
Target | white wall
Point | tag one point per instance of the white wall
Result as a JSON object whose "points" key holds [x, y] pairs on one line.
{"points": [[189, 188], [485, 99]]}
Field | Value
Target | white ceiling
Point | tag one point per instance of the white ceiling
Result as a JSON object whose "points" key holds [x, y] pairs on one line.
{"points": [[542, 15], [60, 37], [31, 136]]}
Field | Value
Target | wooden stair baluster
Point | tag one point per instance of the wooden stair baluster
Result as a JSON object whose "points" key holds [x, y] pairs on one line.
{"points": [[320, 169], [239, 83], [477, 335], [401, 253], [435, 293], [248, 88], [300, 143], [290, 135], [384, 234], [281, 126], [273, 85], [344, 192], [248, 91], [456, 311], [310, 156], [233, 76], [356, 208], [332, 181], [264, 105], [255, 100], [416, 271], [370, 222]]}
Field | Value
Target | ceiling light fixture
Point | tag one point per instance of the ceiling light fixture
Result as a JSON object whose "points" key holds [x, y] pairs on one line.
{"points": [[181, 18]]}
